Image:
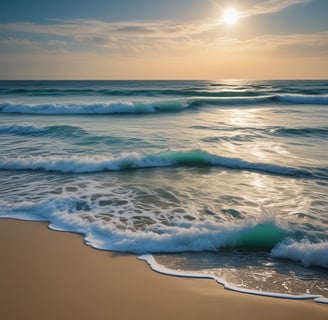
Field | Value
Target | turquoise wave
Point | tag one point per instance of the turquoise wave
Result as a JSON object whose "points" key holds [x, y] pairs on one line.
{"points": [[266, 233], [156, 106], [87, 164], [261, 236]]}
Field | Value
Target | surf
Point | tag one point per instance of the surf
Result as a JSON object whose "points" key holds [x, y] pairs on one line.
{"points": [[100, 163], [159, 106], [280, 239]]}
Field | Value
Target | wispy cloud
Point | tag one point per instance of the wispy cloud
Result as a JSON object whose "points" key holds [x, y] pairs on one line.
{"points": [[100, 35], [303, 44], [256, 7], [22, 42], [84, 47], [101, 32], [273, 6], [86, 27], [132, 37]]}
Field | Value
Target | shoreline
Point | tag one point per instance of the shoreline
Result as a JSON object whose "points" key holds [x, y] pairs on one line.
{"points": [[47, 274], [151, 261]]}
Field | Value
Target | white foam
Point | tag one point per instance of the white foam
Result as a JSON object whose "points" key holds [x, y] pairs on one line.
{"points": [[310, 254], [63, 214], [166, 271], [80, 164]]}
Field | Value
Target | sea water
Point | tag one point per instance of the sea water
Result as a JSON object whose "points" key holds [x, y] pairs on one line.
{"points": [[219, 179]]}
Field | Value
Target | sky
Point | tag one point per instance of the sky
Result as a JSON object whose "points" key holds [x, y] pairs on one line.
{"points": [[157, 39]]}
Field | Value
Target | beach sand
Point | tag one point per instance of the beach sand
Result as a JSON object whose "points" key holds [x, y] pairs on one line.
{"points": [[53, 275]]}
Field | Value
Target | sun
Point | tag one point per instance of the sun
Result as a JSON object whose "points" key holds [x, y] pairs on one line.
{"points": [[230, 16]]}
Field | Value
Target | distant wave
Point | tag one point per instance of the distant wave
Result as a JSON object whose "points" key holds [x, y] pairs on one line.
{"points": [[158, 106], [284, 92], [85, 164], [321, 131], [250, 133], [196, 92], [93, 108], [22, 128], [33, 129]]}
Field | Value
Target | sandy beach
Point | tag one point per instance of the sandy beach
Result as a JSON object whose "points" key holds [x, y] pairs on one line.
{"points": [[53, 275]]}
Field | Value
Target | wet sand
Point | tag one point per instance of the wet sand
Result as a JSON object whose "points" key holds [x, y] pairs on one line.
{"points": [[46, 274]]}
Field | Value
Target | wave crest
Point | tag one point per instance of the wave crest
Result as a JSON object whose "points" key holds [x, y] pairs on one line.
{"points": [[85, 164], [93, 108], [68, 214], [173, 105], [306, 252], [266, 232]]}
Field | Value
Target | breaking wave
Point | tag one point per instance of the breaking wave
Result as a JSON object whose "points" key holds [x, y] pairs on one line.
{"points": [[306, 252], [93, 108], [179, 236], [87, 164], [174, 105], [264, 233]]}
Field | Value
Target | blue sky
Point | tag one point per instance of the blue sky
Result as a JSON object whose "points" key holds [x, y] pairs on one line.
{"points": [[105, 10], [156, 39]]}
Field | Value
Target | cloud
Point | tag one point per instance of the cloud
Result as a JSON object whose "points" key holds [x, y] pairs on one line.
{"points": [[114, 36], [103, 33], [315, 44], [269, 6], [82, 48], [78, 27], [134, 38], [21, 42]]}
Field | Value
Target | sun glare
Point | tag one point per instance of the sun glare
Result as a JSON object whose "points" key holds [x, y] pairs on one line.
{"points": [[230, 16]]}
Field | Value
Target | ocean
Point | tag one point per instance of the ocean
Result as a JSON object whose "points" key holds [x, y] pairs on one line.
{"points": [[216, 179]]}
